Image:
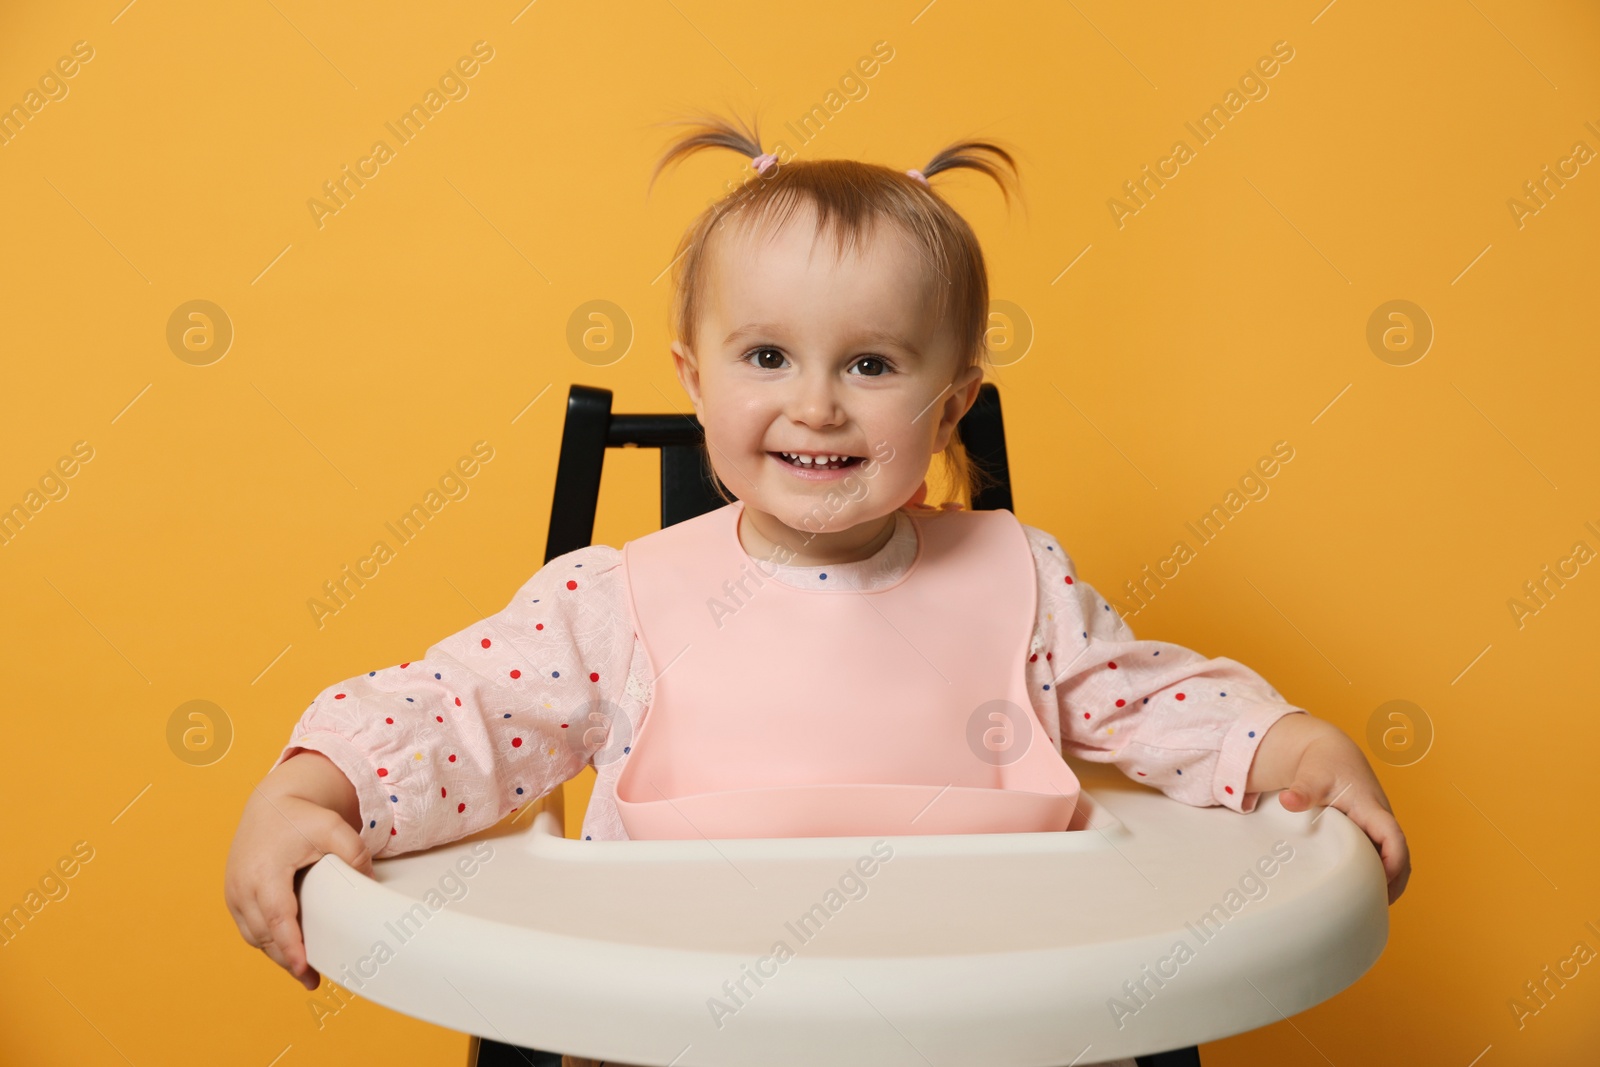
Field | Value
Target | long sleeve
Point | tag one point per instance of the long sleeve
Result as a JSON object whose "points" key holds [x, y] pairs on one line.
{"points": [[490, 719], [1166, 715]]}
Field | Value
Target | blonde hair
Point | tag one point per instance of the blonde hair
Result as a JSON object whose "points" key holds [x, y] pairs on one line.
{"points": [[851, 197]]}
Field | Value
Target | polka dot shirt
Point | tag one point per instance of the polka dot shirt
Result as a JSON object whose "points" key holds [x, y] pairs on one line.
{"points": [[494, 717]]}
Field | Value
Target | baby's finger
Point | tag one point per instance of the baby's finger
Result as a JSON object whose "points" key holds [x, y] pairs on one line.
{"points": [[1380, 825], [280, 909], [333, 834], [1396, 855], [1311, 786], [257, 931], [252, 927], [1398, 886], [293, 958], [247, 918]]}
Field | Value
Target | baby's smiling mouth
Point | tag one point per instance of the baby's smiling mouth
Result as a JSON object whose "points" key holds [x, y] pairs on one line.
{"points": [[816, 461]]}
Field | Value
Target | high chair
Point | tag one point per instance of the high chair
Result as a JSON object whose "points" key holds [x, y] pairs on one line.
{"points": [[1001, 950]]}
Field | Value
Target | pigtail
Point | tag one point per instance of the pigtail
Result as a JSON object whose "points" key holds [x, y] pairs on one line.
{"points": [[962, 154], [709, 131]]}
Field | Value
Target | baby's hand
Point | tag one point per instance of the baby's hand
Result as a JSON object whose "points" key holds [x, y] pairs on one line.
{"points": [[1333, 771], [279, 833]]}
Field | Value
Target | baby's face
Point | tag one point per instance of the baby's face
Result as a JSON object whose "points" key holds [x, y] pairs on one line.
{"points": [[798, 352]]}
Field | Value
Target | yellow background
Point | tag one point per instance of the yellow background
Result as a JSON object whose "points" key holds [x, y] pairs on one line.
{"points": [[371, 352]]}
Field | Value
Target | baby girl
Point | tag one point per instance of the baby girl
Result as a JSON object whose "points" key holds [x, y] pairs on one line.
{"points": [[824, 656]]}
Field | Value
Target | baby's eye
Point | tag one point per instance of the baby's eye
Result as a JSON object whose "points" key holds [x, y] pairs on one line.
{"points": [[758, 353]]}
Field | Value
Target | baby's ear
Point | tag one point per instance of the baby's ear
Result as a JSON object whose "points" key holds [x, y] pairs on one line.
{"points": [[688, 373]]}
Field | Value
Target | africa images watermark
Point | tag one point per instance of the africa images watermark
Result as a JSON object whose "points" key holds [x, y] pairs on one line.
{"points": [[1251, 887], [1541, 994], [452, 486], [1539, 591], [816, 118], [1212, 123], [1539, 191], [52, 487], [452, 86], [1253, 486], [851, 886], [53, 888], [53, 88], [451, 887]]}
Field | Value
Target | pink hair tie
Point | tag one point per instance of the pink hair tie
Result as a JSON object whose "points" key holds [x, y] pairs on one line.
{"points": [[917, 174], [762, 162]]}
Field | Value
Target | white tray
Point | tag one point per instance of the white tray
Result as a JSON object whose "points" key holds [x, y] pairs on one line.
{"points": [[1005, 950]]}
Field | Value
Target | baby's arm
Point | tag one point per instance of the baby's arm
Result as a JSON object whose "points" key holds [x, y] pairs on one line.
{"points": [[432, 750], [1167, 716], [1204, 731], [489, 720]]}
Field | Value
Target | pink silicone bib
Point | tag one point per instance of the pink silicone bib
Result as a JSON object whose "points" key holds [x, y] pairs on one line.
{"points": [[786, 712]]}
